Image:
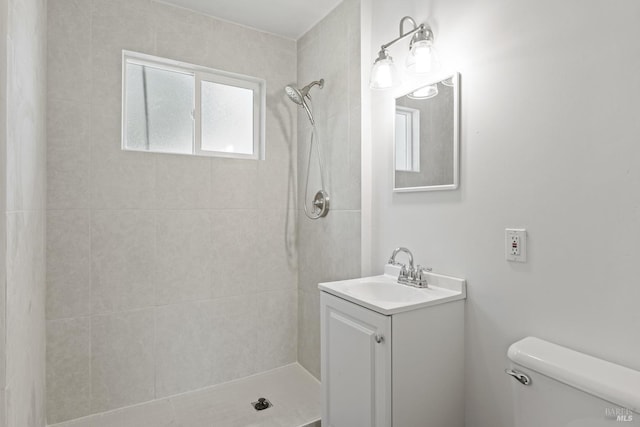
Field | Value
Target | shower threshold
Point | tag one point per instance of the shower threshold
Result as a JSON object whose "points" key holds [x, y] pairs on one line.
{"points": [[294, 393]]}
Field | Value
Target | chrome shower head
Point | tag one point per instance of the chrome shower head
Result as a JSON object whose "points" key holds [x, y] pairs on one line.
{"points": [[294, 95], [298, 96]]}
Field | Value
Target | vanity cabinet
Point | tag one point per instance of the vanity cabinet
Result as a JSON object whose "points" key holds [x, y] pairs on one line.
{"points": [[356, 364], [402, 370]]}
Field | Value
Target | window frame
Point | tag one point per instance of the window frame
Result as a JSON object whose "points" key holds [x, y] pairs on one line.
{"points": [[200, 74], [412, 140]]}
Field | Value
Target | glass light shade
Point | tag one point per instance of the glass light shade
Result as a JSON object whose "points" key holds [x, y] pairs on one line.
{"points": [[383, 74], [448, 82], [422, 57], [424, 92]]}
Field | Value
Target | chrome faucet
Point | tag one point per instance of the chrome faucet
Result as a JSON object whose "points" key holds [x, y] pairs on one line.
{"points": [[396, 251], [412, 276]]}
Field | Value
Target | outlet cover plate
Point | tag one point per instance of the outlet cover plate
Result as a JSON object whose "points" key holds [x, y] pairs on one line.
{"points": [[515, 244]]}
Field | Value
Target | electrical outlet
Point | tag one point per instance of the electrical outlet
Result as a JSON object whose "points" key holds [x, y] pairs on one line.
{"points": [[515, 244]]}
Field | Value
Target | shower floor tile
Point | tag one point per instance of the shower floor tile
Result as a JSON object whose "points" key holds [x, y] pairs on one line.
{"points": [[294, 393]]}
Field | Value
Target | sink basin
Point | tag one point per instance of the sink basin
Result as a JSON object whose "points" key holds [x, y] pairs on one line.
{"points": [[384, 291], [386, 296]]}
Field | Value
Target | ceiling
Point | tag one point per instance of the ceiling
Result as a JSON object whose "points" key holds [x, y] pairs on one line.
{"points": [[288, 18]]}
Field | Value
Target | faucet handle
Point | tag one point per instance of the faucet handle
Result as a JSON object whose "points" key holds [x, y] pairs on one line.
{"points": [[403, 271], [421, 275]]}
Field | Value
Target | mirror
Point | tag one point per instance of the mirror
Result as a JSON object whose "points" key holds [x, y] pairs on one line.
{"points": [[426, 137]]}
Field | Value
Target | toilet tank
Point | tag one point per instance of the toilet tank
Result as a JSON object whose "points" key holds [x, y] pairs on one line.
{"points": [[571, 389]]}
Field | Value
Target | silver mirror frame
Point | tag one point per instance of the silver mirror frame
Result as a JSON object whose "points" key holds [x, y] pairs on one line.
{"points": [[456, 137]]}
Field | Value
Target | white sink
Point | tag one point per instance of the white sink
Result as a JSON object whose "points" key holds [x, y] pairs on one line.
{"points": [[386, 296]]}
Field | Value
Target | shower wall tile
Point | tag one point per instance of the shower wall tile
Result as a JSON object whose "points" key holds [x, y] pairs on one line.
{"points": [[115, 26], [235, 255], [276, 245], [26, 152], [337, 155], [120, 179], [334, 64], [276, 183], [122, 359], [234, 184], [123, 254], [234, 343], [354, 53], [69, 373], [183, 349], [25, 320], [329, 248], [183, 263], [309, 331], [340, 231], [163, 255], [343, 237], [68, 263], [184, 35], [23, 192], [69, 57], [183, 182], [204, 343], [68, 154], [308, 38], [312, 263], [277, 330]]}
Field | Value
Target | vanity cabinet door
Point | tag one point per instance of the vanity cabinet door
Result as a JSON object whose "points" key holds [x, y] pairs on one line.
{"points": [[356, 365]]}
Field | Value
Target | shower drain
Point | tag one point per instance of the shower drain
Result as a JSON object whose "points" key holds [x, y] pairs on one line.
{"points": [[261, 404]]}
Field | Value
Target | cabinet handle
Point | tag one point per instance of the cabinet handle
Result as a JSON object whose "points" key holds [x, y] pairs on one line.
{"points": [[379, 338]]}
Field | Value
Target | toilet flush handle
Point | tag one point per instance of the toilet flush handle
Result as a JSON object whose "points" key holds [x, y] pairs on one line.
{"points": [[520, 376]]}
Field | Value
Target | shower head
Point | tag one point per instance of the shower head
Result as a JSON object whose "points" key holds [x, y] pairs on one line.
{"points": [[294, 94], [298, 95]]}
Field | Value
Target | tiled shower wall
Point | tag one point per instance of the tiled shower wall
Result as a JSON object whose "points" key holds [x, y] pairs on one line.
{"points": [[329, 248], [23, 188], [166, 273]]}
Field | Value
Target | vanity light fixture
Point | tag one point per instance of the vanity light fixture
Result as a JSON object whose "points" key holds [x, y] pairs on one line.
{"points": [[448, 82], [422, 57]]}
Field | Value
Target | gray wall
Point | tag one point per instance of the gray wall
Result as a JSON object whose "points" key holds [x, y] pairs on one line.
{"points": [[540, 149], [23, 186], [329, 248], [164, 271]]}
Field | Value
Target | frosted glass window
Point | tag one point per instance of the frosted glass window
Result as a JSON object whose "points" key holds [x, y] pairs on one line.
{"points": [[174, 107], [159, 106], [227, 118]]}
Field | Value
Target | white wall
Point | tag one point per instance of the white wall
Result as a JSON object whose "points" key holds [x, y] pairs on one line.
{"points": [[550, 130], [163, 271], [23, 193]]}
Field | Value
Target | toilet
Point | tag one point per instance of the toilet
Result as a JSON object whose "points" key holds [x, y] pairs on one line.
{"points": [[558, 387]]}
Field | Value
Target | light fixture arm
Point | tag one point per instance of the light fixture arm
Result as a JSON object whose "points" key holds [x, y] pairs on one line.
{"points": [[416, 28], [420, 49]]}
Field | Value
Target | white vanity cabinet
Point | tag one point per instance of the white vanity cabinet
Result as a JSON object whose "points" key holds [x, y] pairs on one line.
{"points": [[356, 364], [400, 367]]}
